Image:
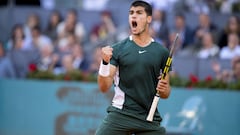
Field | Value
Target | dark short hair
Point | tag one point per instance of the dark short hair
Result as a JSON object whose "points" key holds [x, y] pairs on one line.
{"points": [[181, 15], [15, 27], [147, 6], [36, 28]]}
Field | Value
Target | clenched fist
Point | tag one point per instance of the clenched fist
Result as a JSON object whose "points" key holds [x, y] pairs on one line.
{"points": [[107, 53]]}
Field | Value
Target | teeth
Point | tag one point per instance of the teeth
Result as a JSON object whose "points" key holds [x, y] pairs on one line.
{"points": [[134, 24]]}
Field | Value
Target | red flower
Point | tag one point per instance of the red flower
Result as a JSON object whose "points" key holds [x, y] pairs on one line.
{"points": [[208, 79], [32, 67], [193, 79], [67, 78]]}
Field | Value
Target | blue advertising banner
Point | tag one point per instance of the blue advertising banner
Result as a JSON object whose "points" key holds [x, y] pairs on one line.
{"points": [[29, 107], [50, 108]]}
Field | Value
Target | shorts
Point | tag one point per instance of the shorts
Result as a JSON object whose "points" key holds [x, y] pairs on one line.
{"points": [[116, 123]]}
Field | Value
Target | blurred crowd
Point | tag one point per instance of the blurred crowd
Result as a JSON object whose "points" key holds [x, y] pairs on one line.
{"points": [[65, 45], [62, 47]]}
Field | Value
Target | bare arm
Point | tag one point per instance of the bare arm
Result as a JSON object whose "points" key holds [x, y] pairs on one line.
{"points": [[164, 88], [106, 71]]}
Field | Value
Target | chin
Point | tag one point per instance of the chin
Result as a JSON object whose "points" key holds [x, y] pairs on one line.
{"points": [[135, 33]]}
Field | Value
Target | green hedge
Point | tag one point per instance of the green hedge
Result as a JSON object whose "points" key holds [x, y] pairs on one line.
{"points": [[191, 82], [75, 75], [209, 82]]}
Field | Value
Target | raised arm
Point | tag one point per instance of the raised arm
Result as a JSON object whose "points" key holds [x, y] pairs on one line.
{"points": [[106, 70]]}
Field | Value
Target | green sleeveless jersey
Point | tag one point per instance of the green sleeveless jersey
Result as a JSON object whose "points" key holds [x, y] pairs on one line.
{"points": [[138, 69]]}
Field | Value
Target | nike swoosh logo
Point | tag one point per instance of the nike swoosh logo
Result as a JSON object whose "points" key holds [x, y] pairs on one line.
{"points": [[140, 52]]}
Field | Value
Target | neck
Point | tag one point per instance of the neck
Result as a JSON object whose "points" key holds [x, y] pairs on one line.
{"points": [[142, 39]]}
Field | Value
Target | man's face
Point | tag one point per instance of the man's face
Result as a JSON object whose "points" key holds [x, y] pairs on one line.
{"points": [[179, 22], [138, 20], [71, 18]]}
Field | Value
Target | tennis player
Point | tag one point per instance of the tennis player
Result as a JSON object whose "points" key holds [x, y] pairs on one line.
{"points": [[134, 66]]}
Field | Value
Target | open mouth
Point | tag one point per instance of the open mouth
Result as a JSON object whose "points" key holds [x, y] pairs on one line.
{"points": [[134, 24]]}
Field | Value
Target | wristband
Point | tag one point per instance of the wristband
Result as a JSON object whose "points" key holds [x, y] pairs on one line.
{"points": [[104, 62], [104, 70]]}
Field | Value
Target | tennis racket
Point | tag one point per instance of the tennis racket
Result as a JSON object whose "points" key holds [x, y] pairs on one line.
{"points": [[163, 75]]}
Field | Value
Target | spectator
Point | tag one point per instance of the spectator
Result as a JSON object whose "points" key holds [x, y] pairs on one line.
{"points": [[96, 60], [71, 26], [79, 60], [39, 39], [6, 67], [154, 35], [226, 6], [48, 59], [185, 33], [65, 46], [105, 29], [66, 65], [208, 48], [232, 26], [232, 49], [171, 37], [204, 25], [159, 26], [21, 59], [18, 32], [225, 75], [33, 20], [2, 50], [53, 21], [236, 69]]}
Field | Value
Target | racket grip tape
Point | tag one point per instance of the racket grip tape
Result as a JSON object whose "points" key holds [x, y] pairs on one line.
{"points": [[153, 108]]}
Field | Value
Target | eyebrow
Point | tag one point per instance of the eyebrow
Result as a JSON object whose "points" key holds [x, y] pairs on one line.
{"points": [[138, 11]]}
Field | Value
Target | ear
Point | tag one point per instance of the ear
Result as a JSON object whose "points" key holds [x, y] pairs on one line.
{"points": [[149, 19]]}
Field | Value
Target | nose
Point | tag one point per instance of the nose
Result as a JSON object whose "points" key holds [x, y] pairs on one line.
{"points": [[133, 16]]}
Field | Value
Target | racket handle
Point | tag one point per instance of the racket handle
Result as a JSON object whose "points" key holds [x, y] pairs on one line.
{"points": [[153, 108]]}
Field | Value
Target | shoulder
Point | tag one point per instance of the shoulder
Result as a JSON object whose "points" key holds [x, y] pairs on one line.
{"points": [[159, 47], [61, 24], [225, 51], [225, 48], [237, 49], [121, 44], [80, 25], [215, 47]]}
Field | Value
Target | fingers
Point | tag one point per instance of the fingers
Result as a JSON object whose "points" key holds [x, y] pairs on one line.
{"points": [[107, 53], [162, 86]]}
